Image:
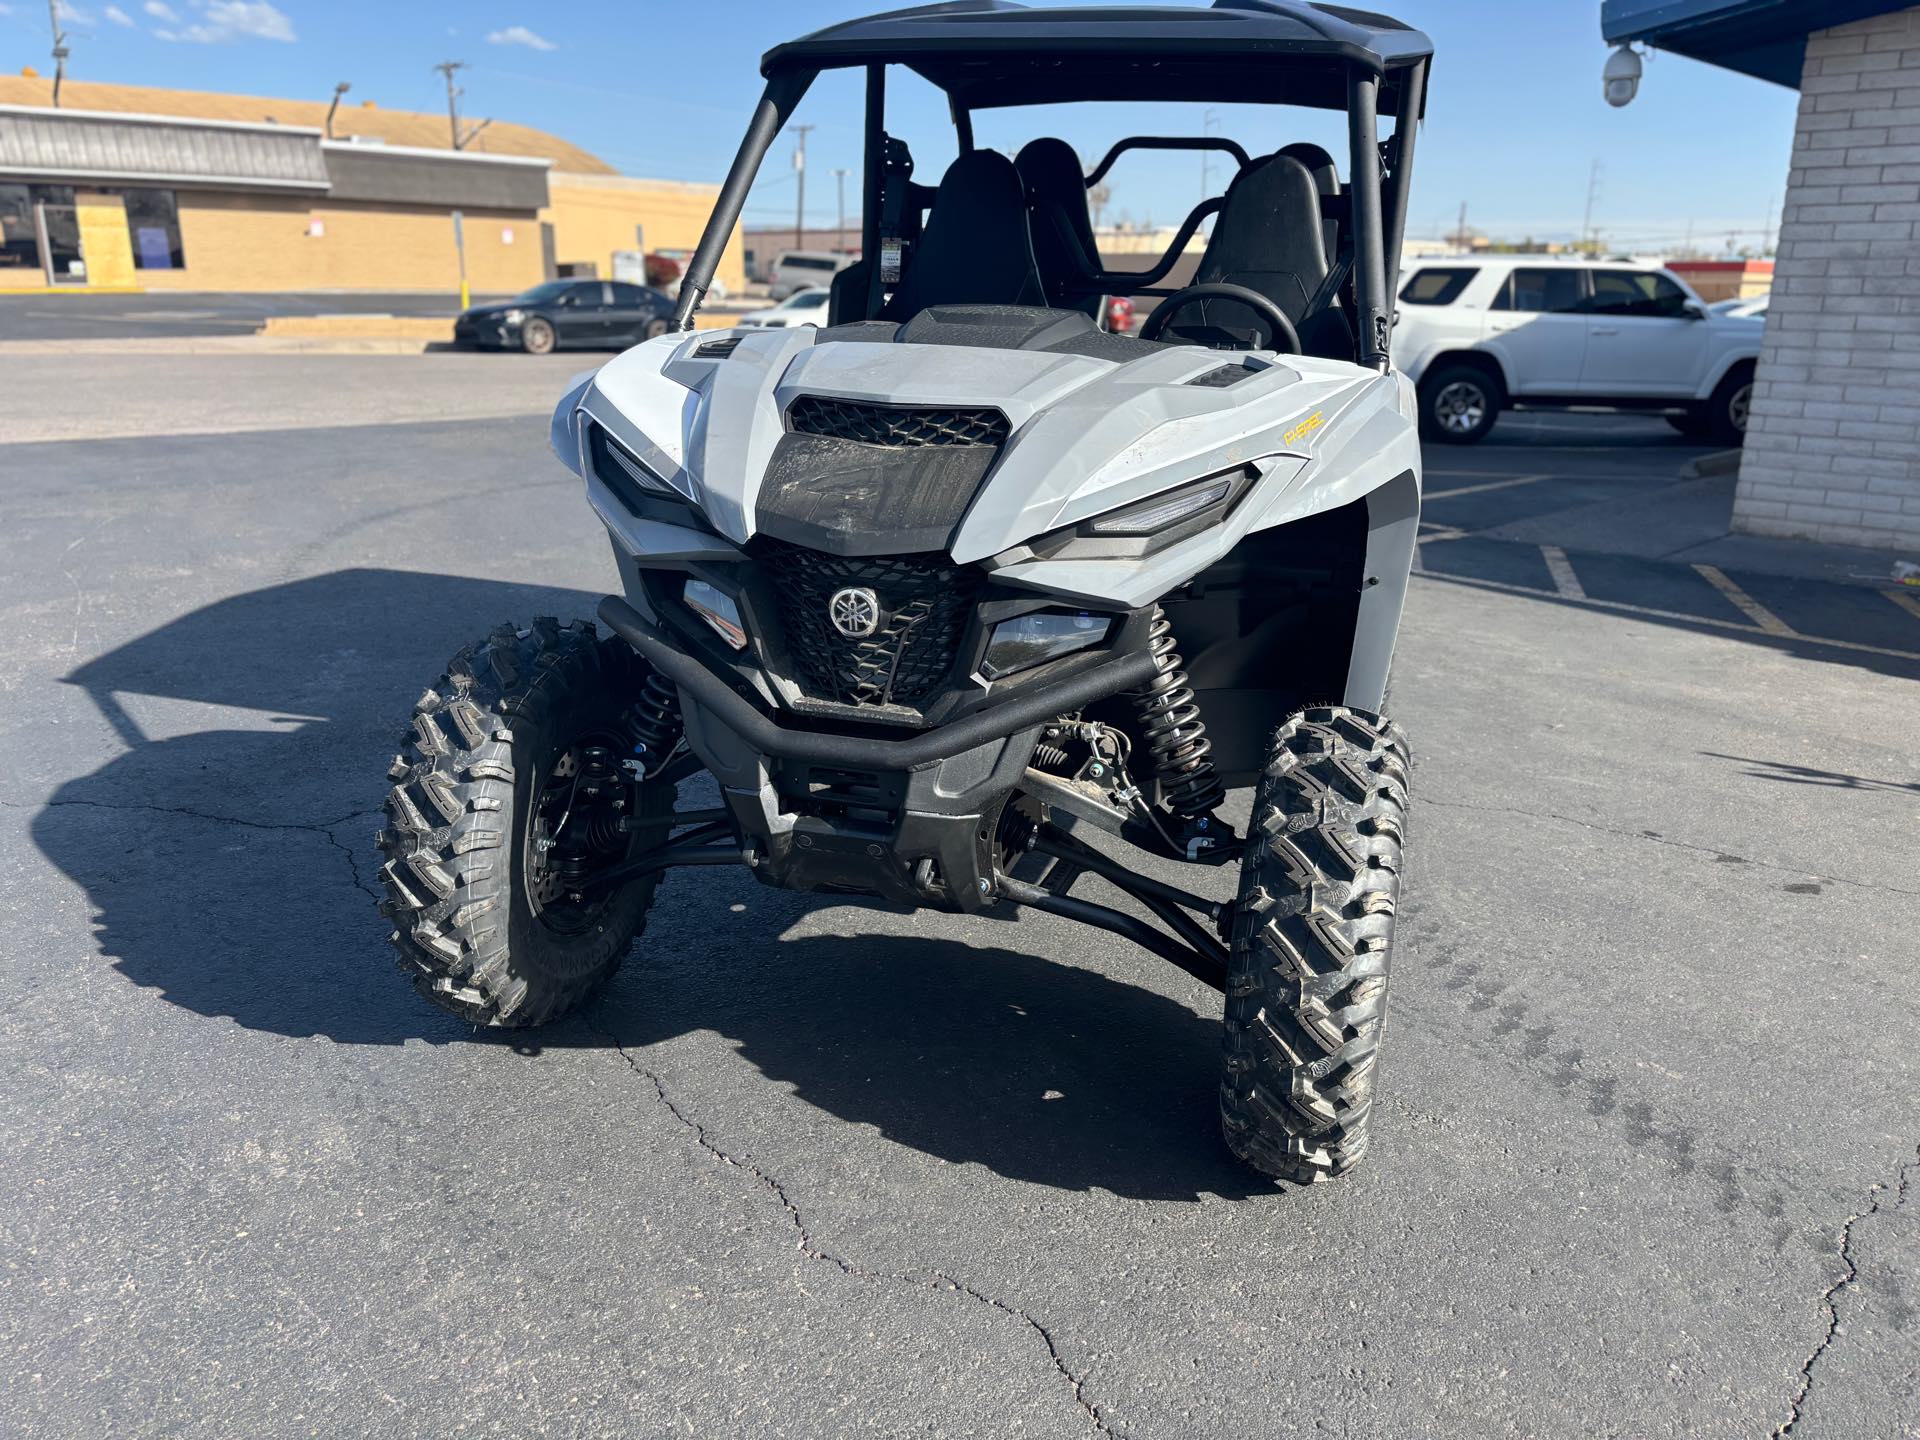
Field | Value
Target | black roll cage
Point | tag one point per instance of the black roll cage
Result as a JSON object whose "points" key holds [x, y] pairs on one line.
{"points": [[1379, 181]]}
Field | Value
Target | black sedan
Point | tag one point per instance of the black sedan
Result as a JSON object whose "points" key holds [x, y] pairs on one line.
{"points": [[569, 315]]}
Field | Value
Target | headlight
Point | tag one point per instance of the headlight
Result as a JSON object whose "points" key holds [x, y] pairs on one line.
{"points": [[614, 461], [514, 317], [1150, 517], [718, 609], [1029, 640], [1150, 525]]}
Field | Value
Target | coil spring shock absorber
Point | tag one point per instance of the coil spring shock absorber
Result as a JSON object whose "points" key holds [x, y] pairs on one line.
{"points": [[1175, 737], [655, 721]]}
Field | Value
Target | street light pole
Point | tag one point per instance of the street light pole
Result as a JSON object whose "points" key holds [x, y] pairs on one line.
{"points": [[338, 91], [800, 188], [840, 182]]}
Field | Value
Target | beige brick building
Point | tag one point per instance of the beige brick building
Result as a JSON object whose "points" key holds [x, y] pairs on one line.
{"points": [[1832, 449], [127, 186]]}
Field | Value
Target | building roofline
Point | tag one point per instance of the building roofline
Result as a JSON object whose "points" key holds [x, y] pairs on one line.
{"points": [[269, 127], [430, 152]]}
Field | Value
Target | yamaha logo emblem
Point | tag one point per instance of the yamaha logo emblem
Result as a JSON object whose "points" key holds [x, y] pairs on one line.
{"points": [[855, 612]]}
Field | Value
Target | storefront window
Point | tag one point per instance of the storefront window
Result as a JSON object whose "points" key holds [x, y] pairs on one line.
{"points": [[19, 246], [153, 228], [153, 222]]}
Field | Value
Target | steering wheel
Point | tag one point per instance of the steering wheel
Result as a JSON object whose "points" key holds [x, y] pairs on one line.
{"points": [[1282, 338]]}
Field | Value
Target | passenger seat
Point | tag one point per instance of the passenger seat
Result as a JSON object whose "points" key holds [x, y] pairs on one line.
{"points": [[1057, 203]]}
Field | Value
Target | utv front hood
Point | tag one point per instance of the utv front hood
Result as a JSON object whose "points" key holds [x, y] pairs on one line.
{"points": [[1086, 435]]}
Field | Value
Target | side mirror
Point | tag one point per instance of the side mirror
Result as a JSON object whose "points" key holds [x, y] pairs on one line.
{"points": [[1693, 310]]}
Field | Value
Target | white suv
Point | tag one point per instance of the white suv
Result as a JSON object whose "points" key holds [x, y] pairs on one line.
{"points": [[1480, 333]]}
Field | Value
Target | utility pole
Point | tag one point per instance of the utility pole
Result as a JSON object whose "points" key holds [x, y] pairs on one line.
{"points": [[448, 68], [1587, 238], [840, 183], [1209, 120], [1460, 239], [800, 188], [59, 50], [338, 91]]}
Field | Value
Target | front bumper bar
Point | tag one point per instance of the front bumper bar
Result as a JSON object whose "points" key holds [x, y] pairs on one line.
{"points": [[1031, 707]]}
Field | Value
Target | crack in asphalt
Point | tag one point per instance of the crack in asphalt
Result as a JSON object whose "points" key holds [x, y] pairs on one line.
{"points": [[1714, 850], [1830, 1297], [324, 829], [807, 1246]]}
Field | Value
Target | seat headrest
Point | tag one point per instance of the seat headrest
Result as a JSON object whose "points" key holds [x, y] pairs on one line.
{"points": [[1326, 175], [1050, 167], [976, 248]]}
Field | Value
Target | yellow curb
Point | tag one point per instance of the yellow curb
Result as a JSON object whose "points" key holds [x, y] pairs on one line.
{"points": [[361, 327]]}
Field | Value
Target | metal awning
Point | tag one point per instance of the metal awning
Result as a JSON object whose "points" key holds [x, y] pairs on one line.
{"points": [[1763, 38], [106, 148], [404, 175], [83, 145]]}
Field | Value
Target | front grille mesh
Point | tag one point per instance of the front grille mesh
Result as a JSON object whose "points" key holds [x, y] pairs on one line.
{"points": [[924, 604], [901, 426]]}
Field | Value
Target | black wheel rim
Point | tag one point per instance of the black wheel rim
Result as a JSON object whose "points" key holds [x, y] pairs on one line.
{"points": [[578, 823]]}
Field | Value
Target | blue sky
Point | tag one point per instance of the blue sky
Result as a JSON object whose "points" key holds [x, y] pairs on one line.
{"points": [[1515, 119]]}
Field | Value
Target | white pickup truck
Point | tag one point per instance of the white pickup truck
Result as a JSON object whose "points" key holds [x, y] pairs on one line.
{"points": [[1480, 333]]}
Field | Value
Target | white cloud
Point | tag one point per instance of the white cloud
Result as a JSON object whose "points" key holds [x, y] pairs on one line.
{"points": [[161, 12], [118, 16], [520, 35], [229, 20], [74, 15]]}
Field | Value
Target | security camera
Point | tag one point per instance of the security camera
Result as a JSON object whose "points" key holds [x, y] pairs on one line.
{"points": [[1621, 77]]}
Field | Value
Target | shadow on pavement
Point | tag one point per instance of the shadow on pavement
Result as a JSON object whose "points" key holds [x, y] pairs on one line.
{"points": [[232, 872], [1036, 1070], [232, 867], [1789, 774]]}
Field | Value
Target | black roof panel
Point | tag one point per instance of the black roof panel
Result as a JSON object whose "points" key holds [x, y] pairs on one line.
{"points": [[995, 52]]}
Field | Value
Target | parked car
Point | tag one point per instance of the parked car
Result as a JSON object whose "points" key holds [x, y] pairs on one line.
{"points": [[1748, 306], [568, 315], [803, 307], [804, 270], [1480, 334]]}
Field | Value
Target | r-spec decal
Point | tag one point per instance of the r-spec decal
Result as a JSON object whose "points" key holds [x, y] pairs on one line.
{"points": [[1305, 428]]}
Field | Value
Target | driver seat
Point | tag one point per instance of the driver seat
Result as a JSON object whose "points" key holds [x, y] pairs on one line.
{"points": [[976, 248], [1268, 238]]}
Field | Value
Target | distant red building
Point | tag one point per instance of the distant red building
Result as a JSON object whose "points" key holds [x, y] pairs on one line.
{"points": [[1725, 279]]}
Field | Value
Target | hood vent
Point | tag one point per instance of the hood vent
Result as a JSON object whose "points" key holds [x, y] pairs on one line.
{"points": [[716, 349], [897, 426], [1222, 376]]}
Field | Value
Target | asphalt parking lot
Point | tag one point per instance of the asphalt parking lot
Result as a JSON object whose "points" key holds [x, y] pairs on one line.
{"points": [[812, 1167], [160, 314]]}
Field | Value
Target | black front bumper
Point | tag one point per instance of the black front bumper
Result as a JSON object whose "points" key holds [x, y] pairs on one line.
{"points": [[911, 818]]}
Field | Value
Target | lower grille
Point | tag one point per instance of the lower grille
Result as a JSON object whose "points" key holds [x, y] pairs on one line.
{"points": [[923, 605]]}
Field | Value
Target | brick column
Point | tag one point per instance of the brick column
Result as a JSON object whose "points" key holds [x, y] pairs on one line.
{"points": [[1833, 444]]}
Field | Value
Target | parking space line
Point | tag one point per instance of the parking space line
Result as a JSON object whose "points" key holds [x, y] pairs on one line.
{"points": [[1623, 608], [1771, 623], [1561, 569], [1907, 600], [1489, 485]]}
